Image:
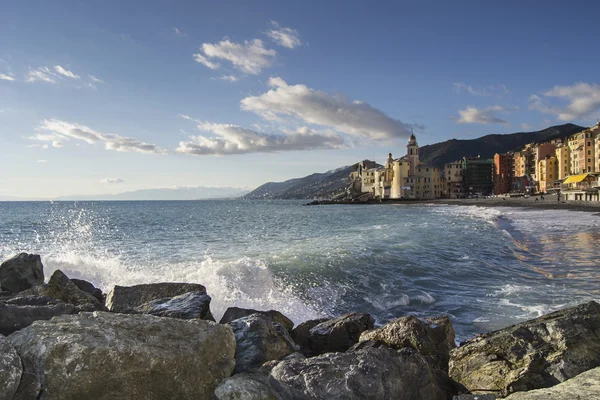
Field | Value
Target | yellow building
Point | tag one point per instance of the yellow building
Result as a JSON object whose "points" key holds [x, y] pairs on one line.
{"points": [[564, 162], [454, 179], [547, 173], [582, 149], [519, 163]]}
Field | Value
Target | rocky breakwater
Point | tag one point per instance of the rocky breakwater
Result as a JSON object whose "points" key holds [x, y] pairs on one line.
{"points": [[65, 339]]}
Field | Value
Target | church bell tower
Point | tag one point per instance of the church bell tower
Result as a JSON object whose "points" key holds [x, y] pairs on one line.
{"points": [[412, 152]]}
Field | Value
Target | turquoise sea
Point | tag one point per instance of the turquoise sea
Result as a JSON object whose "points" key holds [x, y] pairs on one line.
{"points": [[486, 268]]}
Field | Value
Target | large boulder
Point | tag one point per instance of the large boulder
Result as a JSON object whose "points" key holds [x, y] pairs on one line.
{"points": [[21, 272], [374, 373], [191, 305], [123, 299], [89, 288], [301, 333], [582, 387], [233, 313], [432, 337], [531, 355], [61, 288], [10, 370], [259, 339], [339, 334], [19, 312], [103, 355]]}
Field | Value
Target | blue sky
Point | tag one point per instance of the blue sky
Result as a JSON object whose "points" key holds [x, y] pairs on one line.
{"points": [[111, 96]]}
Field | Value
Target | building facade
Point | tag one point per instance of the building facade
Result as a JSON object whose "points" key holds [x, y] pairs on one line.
{"points": [[478, 176], [503, 173]]}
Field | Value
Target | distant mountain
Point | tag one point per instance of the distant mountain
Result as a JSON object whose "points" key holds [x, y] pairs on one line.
{"points": [[441, 153], [176, 193], [316, 186]]}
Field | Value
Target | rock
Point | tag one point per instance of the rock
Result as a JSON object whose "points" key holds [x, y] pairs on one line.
{"points": [[122, 299], [301, 332], [247, 386], [474, 397], [339, 334], [233, 313], [21, 272], [531, 355], [432, 337], [61, 288], [582, 387], [191, 305], [103, 355], [10, 370], [381, 373], [20, 312], [89, 288], [258, 340]]}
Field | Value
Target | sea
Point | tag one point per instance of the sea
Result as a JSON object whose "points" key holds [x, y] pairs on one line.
{"points": [[485, 268]]}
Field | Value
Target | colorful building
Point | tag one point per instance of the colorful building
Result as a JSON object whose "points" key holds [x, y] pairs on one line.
{"points": [[547, 173], [503, 172], [454, 180]]}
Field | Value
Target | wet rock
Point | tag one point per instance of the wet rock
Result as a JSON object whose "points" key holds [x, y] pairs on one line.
{"points": [[582, 387], [89, 288], [339, 334], [381, 373], [21, 272], [123, 299], [233, 313], [432, 337], [104, 355], [191, 305], [61, 288], [259, 339], [10, 370], [534, 354], [301, 332], [20, 312]]}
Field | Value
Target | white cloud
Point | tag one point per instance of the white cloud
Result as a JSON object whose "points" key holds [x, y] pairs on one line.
{"points": [[285, 37], [178, 32], [42, 161], [230, 78], [57, 144], [583, 101], [112, 180], [473, 115], [94, 79], [9, 77], [65, 72], [250, 57], [203, 60], [43, 74], [316, 107], [66, 130], [233, 139], [491, 90]]}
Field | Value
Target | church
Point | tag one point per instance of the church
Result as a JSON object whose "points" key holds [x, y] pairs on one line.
{"points": [[402, 178]]}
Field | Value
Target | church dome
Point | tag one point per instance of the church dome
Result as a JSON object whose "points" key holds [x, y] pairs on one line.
{"points": [[412, 140]]}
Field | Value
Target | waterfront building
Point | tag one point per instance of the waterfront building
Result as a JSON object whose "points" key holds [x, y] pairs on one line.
{"points": [[582, 187], [547, 172], [582, 148], [454, 180], [478, 176], [503, 172], [563, 159]]}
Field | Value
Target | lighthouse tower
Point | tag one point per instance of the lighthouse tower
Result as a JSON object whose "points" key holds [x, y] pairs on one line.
{"points": [[412, 152]]}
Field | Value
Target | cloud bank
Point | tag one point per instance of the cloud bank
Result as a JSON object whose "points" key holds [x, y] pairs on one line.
{"points": [[316, 107], [63, 130], [233, 139], [473, 115], [583, 101], [251, 57]]}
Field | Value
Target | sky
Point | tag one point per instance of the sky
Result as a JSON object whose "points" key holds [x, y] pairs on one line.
{"points": [[112, 96]]}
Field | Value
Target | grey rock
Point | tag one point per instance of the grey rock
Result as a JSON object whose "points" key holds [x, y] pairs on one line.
{"points": [[375, 373], [61, 288], [301, 332], [531, 355], [582, 387], [247, 386], [124, 299], [191, 305], [474, 397], [21, 272], [233, 313], [103, 355], [258, 340], [89, 288], [18, 316], [339, 334], [29, 300], [432, 337], [10, 370]]}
